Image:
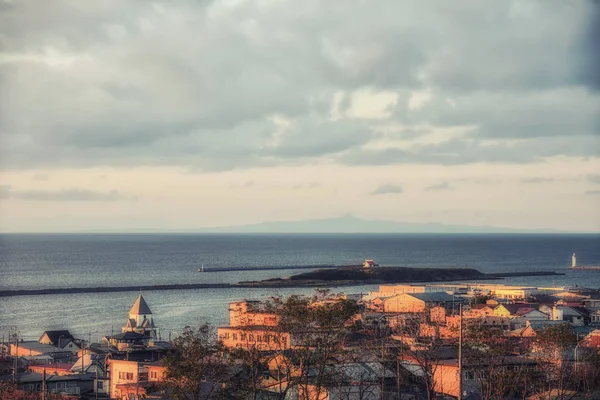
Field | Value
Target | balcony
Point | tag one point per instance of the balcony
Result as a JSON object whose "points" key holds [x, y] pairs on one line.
{"points": [[66, 390]]}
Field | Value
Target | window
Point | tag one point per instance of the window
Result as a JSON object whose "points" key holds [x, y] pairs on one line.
{"points": [[235, 336], [244, 337], [469, 375], [100, 385], [251, 337], [128, 376], [258, 338], [153, 374]]}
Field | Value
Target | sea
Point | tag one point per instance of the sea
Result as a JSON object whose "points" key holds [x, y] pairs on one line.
{"points": [[39, 261]]}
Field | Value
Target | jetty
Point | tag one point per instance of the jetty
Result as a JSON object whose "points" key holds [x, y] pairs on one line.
{"points": [[583, 267], [273, 268]]}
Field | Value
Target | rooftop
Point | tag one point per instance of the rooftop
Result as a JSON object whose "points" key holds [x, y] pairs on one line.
{"points": [[140, 307], [435, 296], [34, 345]]}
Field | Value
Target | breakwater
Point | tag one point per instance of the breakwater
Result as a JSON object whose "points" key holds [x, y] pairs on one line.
{"points": [[399, 276], [273, 268]]}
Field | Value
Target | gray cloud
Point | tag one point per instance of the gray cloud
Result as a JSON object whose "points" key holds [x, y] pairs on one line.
{"points": [[593, 192], [440, 186], [594, 178], [5, 191], [73, 194], [590, 50], [536, 179], [120, 83], [387, 189], [468, 151]]}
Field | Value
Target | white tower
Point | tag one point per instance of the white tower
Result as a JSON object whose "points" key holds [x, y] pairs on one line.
{"points": [[573, 261], [140, 319]]}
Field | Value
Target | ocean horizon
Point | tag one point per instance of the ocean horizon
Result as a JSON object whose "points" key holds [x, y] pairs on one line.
{"points": [[38, 261]]}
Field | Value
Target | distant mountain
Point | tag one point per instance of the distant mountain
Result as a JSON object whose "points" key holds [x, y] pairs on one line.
{"points": [[351, 224]]}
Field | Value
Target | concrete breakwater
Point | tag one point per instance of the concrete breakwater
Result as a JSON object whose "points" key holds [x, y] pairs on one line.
{"points": [[398, 275], [273, 268]]}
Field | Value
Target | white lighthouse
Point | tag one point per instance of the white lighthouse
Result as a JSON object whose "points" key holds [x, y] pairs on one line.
{"points": [[573, 261]]}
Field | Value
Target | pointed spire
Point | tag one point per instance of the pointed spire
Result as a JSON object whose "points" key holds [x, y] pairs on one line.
{"points": [[140, 307]]}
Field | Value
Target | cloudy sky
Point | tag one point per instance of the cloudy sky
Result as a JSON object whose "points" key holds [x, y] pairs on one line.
{"points": [[180, 114]]}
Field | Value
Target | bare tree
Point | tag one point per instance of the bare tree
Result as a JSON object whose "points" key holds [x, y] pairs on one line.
{"points": [[195, 369], [419, 342], [487, 354], [316, 327], [553, 349]]}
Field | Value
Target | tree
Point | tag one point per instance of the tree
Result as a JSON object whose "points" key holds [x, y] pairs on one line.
{"points": [[9, 390], [195, 368], [419, 342], [316, 327], [487, 353], [553, 348]]}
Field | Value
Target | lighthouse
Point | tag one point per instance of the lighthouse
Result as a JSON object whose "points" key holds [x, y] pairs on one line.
{"points": [[573, 261]]}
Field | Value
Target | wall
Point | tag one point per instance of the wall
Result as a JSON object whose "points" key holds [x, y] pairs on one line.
{"points": [[254, 337], [121, 366], [403, 303]]}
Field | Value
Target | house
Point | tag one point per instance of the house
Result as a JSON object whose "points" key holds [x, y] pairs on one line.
{"points": [[66, 385], [263, 338], [592, 339], [525, 311], [575, 315], [592, 304], [52, 369], [376, 304], [37, 349], [445, 375], [479, 310], [130, 380], [418, 302], [525, 332], [595, 318], [129, 340], [513, 292], [127, 378], [61, 339], [249, 313], [140, 319]]}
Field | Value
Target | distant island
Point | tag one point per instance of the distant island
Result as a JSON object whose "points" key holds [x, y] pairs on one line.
{"points": [[351, 224]]}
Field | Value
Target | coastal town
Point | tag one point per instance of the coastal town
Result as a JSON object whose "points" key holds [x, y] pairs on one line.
{"points": [[403, 341]]}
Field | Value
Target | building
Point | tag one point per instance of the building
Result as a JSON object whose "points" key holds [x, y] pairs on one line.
{"points": [[263, 338], [525, 311], [129, 341], [369, 264], [130, 380], [140, 319], [445, 375], [67, 385], [61, 339], [249, 313], [35, 349], [418, 302]]}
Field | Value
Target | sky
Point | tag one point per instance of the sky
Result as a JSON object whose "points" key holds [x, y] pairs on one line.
{"points": [[164, 115]]}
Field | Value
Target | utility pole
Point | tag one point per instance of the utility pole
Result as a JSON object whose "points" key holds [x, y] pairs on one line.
{"points": [[16, 355], [460, 340], [44, 384]]}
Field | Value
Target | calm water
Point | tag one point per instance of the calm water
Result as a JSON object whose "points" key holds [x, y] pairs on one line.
{"points": [[46, 261]]}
